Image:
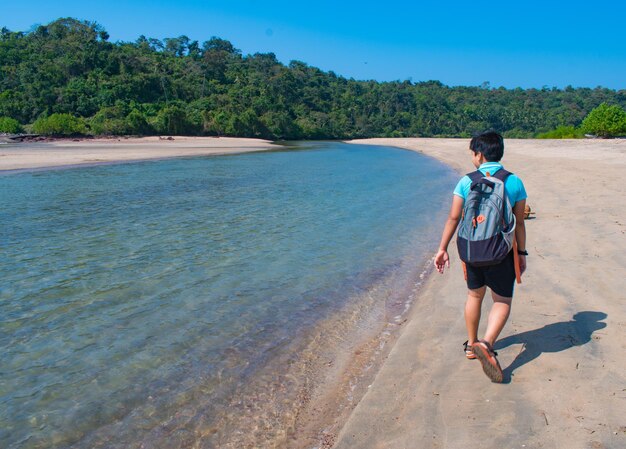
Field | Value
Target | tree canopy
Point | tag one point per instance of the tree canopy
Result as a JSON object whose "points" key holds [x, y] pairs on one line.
{"points": [[181, 86], [10, 125], [605, 121]]}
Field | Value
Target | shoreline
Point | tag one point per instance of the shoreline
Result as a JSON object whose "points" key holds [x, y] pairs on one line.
{"points": [[356, 356], [562, 351], [69, 153], [338, 363], [419, 395]]}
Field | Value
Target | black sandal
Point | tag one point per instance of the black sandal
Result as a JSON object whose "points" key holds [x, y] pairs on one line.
{"points": [[468, 350]]}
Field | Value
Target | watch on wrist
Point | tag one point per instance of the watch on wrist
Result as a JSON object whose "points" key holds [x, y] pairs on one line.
{"points": [[522, 253]]}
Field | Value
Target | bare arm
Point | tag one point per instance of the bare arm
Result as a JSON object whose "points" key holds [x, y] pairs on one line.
{"points": [[520, 231], [442, 259]]}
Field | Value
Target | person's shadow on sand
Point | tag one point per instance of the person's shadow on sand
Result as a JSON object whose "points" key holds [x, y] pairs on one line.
{"points": [[554, 337]]}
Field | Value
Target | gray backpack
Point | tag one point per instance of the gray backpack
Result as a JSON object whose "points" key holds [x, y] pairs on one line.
{"points": [[486, 230]]}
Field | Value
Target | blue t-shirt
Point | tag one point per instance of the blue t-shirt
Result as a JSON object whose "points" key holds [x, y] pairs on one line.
{"points": [[514, 187]]}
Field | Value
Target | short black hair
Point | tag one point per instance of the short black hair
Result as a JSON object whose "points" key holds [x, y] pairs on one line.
{"points": [[490, 144]]}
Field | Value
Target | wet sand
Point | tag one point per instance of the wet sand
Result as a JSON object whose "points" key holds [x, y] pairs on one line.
{"points": [[69, 152], [563, 350]]}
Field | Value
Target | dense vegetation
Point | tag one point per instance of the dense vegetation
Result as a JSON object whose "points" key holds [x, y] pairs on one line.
{"points": [[605, 121], [66, 77], [10, 125]]}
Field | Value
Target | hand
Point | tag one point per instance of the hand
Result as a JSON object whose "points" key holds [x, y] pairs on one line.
{"points": [[442, 260], [522, 264]]}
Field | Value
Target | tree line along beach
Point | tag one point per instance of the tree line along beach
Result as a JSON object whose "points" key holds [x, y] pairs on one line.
{"points": [[177, 86]]}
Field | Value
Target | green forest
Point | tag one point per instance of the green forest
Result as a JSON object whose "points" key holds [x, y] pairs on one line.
{"points": [[66, 77]]}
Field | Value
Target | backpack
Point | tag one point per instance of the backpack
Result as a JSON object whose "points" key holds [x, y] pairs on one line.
{"points": [[486, 231]]}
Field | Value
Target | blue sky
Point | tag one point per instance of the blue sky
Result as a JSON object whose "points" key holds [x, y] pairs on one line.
{"points": [[525, 44]]}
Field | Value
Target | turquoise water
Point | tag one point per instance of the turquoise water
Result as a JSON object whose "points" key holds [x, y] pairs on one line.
{"points": [[140, 302]]}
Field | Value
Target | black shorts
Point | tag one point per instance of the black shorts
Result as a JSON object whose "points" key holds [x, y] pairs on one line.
{"points": [[499, 278]]}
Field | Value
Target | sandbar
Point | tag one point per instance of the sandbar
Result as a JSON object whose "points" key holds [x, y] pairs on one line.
{"points": [[564, 348], [72, 152]]}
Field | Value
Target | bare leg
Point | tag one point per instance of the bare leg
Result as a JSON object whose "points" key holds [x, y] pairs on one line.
{"points": [[472, 313], [497, 317]]}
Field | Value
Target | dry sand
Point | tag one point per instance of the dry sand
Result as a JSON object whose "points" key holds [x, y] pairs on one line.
{"points": [[32, 155], [564, 347]]}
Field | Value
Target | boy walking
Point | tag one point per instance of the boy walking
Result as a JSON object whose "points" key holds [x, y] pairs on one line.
{"points": [[486, 151]]}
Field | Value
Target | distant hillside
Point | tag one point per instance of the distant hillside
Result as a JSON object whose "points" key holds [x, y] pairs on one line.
{"points": [[179, 86]]}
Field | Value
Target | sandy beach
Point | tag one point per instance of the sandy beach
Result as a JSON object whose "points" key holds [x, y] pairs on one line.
{"points": [[563, 349], [33, 155]]}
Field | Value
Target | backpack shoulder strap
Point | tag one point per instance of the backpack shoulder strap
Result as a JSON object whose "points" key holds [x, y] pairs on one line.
{"points": [[475, 176], [502, 174]]}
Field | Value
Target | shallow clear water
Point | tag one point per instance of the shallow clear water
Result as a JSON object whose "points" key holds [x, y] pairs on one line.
{"points": [[129, 292]]}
